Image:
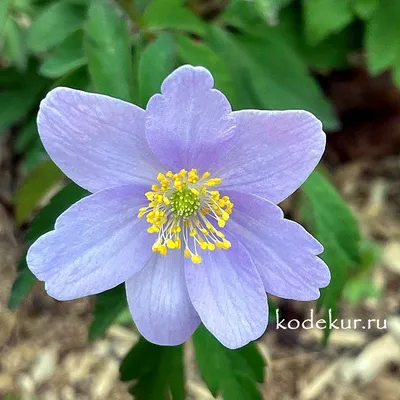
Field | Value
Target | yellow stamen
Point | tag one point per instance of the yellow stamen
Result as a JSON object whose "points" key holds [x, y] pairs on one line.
{"points": [[184, 213]]}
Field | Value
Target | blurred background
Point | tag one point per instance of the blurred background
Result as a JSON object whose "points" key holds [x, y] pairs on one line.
{"points": [[339, 59]]}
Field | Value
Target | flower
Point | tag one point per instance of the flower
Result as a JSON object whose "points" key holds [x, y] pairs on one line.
{"points": [[183, 207]]}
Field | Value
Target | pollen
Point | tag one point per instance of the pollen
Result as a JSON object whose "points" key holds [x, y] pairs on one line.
{"points": [[186, 213]]}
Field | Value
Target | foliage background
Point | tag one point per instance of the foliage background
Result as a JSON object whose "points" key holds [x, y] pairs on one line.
{"points": [[266, 54]]}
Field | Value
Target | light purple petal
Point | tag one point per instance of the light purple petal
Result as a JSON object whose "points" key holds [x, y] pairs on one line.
{"points": [[159, 301], [97, 244], [228, 294], [273, 152], [96, 140], [189, 124], [282, 250]]}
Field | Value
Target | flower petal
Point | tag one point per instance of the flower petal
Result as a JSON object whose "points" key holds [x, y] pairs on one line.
{"points": [[282, 250], [159, 301], [96, 140], [97, 244], [189, 124], [273, 152], [227, 292]]}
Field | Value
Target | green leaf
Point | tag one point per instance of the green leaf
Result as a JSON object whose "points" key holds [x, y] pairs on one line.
{"points": [[332, 215], [68, 56], [22, 285], [3, 13], [396, 75], [365, 8], [272, 307], [44, 221], [359, 289], [34, 188], [270, 75], [195, 52], [370, 254], [109, 306], [332, 53], [33, 156], [156, 62], [27, 7], [26, 136], [15, 44], [227, 49], [333, 224], [17, 102], [269, 9], [242, 15], [76, 79], [156, 370], [10, 77], [172, 14], [324, 17], [233, 374], [54, 24], [108, 50], [382, 36]]}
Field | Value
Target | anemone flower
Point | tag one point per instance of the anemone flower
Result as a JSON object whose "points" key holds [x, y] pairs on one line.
{"points": [[183, 207]]}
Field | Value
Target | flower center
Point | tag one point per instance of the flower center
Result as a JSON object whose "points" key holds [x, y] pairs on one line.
{"points": [[184, 202], [184, 211]]}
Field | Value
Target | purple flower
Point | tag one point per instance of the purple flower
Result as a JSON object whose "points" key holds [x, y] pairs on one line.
{"points": [[183, 208]]}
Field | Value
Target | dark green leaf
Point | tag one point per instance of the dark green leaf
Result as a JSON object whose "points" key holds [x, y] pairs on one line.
{"points": [[34, 188], [46, 218], [16, 103], [54, 24], [396, 72], [79, 2], [333, 224], [172, 14], [198, 53], [332, 214], [3, 14], [33, 156], [242, 15], [270, 74], [269, 9], [15, 44], [42, 223], [156, 62], [370, 254], [22, 285], [365, 8], [243, 72], [76, 79], [68, 56], [26, 136], [156, 370], [324, 17], [286, 80], [109, 306], [108, 50], [10, 77], [360, 288], [233, 374], [331, 53], [382, 35], [272, 307]]}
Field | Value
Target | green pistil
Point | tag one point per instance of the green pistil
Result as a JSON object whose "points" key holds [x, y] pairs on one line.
{"points": [[184, 202]]}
